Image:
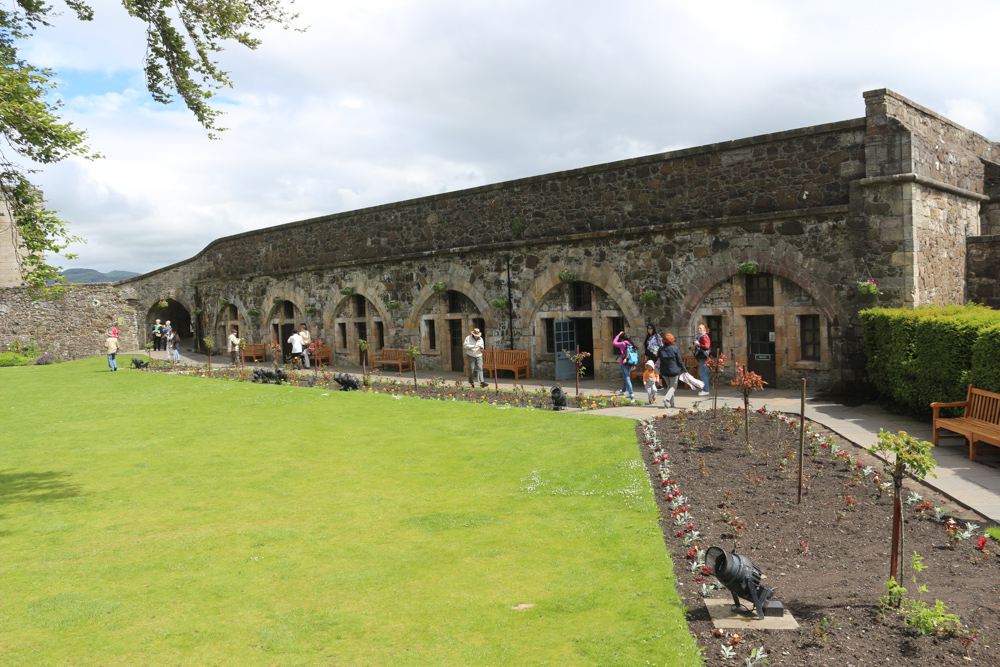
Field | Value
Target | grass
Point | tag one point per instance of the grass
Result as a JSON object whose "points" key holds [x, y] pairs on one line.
{"points": [[156, 519]]}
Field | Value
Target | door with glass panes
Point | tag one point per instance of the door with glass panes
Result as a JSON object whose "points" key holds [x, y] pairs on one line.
{"points": [[565, 342]]}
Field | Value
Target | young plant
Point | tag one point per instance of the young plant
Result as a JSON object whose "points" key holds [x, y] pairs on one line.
{"points": [[578, 360], [747, 382], [413, 352], [911, 458], [364, 347], [715, 366], [209, 347]]}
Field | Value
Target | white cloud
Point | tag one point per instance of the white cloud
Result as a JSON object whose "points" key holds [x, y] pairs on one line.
{"points": [[380, 102]]}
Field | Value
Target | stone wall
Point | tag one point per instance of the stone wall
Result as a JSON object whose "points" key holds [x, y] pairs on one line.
{"points": [[982, 271], [10, 270], [75, 325]]}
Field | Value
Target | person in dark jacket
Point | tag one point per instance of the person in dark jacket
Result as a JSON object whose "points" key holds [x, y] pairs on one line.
{"points": [[671, 365]]}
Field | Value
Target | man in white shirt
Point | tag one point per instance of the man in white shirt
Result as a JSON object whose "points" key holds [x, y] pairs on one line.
{"points": [[295, 340], [474, 346], [234, 346]]}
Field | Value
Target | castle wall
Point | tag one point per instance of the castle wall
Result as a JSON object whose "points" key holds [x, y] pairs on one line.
{"points": [[983, 271], [77, 324], [10, 270]]}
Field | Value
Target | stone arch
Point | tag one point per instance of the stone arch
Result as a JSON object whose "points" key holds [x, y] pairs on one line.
{"points": [[176, 311], [459, 279], [281, 321], [375, 325], [601, 275], [723, 267], [227, 317]]}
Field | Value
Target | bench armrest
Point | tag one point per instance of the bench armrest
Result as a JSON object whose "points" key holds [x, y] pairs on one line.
{"points": [[949, 405]]}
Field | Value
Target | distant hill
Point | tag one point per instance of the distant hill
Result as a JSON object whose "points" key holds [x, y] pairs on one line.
{"points": [[92, 276]]}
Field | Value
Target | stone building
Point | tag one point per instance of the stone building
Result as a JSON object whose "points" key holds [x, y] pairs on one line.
{"points": [[901, 195]]}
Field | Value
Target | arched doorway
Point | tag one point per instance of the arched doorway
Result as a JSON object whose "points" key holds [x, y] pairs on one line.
{"points": [[179, 318], [445, 320], [227, 319], [357, 319], [284, 320], [576, 315]]}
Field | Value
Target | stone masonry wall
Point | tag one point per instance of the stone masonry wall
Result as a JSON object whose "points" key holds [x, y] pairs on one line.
{"points": [[798, 169], [940, 221], [982, 271], [75, 325]]}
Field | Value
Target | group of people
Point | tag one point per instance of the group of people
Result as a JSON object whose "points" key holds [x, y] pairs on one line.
{"points": [[300, 341], [165, 337], [664, 363]]}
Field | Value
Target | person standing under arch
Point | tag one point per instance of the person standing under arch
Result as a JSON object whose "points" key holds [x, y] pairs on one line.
{"points": [[306, 340], [702, 345], [627, 361]]}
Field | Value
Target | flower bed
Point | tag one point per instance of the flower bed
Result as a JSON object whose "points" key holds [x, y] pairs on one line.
{"points": [[828, 558]]}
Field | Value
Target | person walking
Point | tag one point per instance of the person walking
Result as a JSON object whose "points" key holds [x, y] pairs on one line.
{"points": [[671, 365], [111, 348], [629, 357], [233, 345], [651, 346], [702, 345], [157, 336], [306, 339], [474, 346]]}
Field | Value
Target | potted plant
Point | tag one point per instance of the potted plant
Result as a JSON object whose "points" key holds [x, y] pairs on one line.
{"points": [[567, 276], [253, 312], [499, 303], [310, 309], [648, 295], [439, 287], [162, 303], [223, 302], [747, 266], [392, 305], [347, 291], [197, 311], [866, 287], [277, 301]]}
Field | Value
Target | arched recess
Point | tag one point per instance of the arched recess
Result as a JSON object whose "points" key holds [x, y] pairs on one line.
{"points": [[444, 320], [227, 318], [597, 303], [179, 316], [283, 319], [779, 321], [458, 279], [357, 316]]}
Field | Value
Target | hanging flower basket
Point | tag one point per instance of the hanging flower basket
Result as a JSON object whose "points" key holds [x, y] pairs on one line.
{"points": [[310, 309], [439, 287], [253, 312], [499, 303], [392, 305], [868, 287], [567, 276], [347, 291], [197, 311], [163, 304], [648, 296], [747, 266], [223, 302], [277, 301]]}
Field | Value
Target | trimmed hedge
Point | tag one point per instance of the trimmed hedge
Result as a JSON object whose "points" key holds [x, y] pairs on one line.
{"points": [[932, 353]]}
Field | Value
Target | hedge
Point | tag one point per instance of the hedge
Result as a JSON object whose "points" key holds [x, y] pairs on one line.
{"points": [[932, 353]]}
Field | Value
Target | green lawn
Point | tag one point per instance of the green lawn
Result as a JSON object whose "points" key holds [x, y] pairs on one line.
{"points": [[149, 519]]}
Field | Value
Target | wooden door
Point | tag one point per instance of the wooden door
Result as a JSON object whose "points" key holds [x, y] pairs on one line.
{"points": [[760, 347]]}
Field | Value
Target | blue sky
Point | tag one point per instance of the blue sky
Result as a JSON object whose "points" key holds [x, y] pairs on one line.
{"points": [[389, 100]]}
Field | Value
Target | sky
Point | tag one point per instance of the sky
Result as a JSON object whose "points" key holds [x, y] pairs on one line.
{"points": [[387, 100]]}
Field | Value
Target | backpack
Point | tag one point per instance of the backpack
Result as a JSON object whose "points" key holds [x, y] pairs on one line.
{"points": [[631, 355]]}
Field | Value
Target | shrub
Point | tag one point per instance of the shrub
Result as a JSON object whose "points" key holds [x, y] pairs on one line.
{"points": [[985, 353], [926, 354]]}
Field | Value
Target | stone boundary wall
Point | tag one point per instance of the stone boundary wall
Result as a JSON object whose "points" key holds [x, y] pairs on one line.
{"points": [[794, 170], [982, 270], [74, 325]]}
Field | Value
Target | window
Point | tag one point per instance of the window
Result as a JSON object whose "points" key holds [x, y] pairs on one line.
{"points": [[380, 334], [809, 336], [480, 323], [359, 305], [714, 324], [288, 310], [432, 343], [617, 325], [550, 335], [456, 302], [342, 329], [580, 296], [760, 289]]}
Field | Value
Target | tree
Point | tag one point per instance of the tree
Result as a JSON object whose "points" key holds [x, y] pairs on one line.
{"points": [[747, 382], [182, 38]]}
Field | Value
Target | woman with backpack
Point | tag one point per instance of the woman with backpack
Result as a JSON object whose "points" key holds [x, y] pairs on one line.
{"points": [[627, 360], [702, 348]]}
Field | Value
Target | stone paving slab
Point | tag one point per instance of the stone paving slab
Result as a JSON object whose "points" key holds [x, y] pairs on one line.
{"points": [[724, 618]]}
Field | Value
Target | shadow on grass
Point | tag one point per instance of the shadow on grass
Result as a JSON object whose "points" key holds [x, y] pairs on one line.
{"points": [[35, 487]]}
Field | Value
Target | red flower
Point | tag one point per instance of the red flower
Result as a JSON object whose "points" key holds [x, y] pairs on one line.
{"points": [[982, 544]]}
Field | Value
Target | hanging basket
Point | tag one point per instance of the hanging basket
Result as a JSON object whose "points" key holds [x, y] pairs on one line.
{"points": [[868, 287], [162, 304], [310, 310], [253, 312], [567, 276], [746, 267], [347, 291], [439, 287], [499, 303], [648, 296], [392, 305], [223, 302]]}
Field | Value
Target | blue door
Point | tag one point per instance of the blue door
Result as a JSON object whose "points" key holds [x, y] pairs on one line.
{"points": [[565, 340]]}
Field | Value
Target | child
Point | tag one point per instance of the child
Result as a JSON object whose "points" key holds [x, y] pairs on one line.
{"points": [[649, 379]]}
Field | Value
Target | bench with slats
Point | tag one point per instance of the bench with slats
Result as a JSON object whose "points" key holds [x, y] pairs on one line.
{"points": [[322, 354], [980, 421], [388, 356], [254, 352], [515, 361]]}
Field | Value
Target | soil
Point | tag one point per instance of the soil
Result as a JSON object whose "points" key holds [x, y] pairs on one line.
{"points": [[827, 559]]}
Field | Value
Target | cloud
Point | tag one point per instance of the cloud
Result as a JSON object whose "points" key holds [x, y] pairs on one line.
{"points": [[381, 102]]}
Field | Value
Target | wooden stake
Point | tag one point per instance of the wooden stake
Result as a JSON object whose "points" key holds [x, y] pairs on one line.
{"points": [[802, 436]]}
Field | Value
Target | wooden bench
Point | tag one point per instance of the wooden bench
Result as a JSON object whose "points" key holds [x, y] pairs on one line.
{"points": [[254, 352], [690, 363], [980, 421], [324, 353], [515, 361], [392, 357]]}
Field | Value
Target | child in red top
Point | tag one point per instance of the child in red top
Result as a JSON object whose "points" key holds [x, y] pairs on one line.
{"points": [[649, 379]]}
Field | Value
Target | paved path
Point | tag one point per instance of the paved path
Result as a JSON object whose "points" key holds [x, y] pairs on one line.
{"points": [[972, 484]]}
